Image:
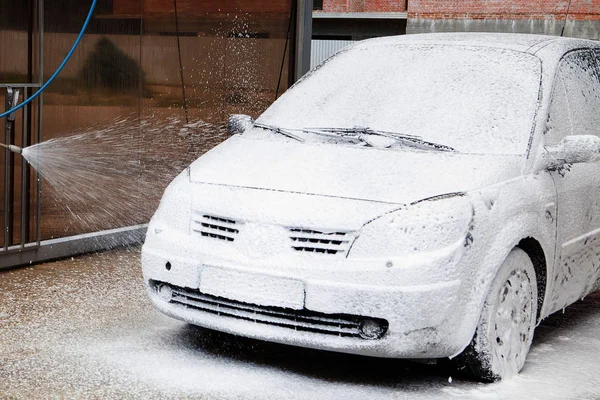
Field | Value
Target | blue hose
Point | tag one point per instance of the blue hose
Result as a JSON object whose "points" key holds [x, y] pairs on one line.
{"points": [[60, 67]]}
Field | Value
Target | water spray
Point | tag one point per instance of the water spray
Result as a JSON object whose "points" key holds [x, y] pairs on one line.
{"points": [[15, 107]]}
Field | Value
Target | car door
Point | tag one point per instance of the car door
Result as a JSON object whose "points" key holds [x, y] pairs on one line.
{"points": [[575, 110]]}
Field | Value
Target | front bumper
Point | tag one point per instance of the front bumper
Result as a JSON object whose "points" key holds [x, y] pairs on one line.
{"points": [[419, 315]]}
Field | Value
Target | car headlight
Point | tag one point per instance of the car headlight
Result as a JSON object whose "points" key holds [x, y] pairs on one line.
{"points": [[175, 209], [424, 226]]}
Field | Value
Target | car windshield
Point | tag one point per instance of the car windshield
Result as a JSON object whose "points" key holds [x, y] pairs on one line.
{"points": [[471, 99]]}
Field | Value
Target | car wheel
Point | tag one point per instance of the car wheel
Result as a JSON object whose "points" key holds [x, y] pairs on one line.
{"points": [[505, 329]]}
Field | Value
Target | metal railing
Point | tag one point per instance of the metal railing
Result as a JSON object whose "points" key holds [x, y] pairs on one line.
{"points": [[31, 132], [29, 135]]}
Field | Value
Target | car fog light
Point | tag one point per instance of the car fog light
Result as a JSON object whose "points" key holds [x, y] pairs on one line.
{"points": [[165, 293], [371, 329]]}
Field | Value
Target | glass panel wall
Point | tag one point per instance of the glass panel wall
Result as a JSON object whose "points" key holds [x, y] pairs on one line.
{"points": [[147, 91]]}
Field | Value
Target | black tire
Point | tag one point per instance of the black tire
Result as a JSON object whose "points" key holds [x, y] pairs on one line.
{"points": [[505, 329]]}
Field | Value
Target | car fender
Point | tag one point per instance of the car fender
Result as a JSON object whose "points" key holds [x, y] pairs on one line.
{"points": [[504, 214]]}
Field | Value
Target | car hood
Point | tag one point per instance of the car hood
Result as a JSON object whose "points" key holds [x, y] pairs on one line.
{"points": [[394, 176]]}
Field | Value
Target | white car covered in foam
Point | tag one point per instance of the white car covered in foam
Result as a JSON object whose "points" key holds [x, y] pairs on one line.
{"points": [[421, 197]]}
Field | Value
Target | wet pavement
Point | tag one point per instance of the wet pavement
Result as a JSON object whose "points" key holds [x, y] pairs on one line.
{"points": [[84, 328]]}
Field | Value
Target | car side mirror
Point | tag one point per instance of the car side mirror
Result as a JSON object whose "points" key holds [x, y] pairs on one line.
{"points": [[239, 123], [571, 150]]}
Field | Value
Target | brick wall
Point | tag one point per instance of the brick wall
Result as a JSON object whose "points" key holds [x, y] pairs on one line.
{"points": [[431, 9], [504, 9], [364, 5], [585, 10]]}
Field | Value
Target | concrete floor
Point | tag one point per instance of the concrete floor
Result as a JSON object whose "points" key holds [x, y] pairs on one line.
{"points": [[84, 328]]}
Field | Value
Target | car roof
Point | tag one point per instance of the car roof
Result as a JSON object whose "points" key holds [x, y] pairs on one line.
{"points": [[553, 46]]}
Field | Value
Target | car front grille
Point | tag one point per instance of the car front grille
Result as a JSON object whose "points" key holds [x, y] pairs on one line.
{"points": [[302, 239], [341, 325], [215, 227], [312, 241]]}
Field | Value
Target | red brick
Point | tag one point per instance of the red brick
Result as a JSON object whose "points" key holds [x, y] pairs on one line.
{"points": [[504, 9], [364, 5]]}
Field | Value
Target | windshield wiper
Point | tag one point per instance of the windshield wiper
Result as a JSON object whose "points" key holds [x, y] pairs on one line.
{"points": [[362, 134], [281, 131]]}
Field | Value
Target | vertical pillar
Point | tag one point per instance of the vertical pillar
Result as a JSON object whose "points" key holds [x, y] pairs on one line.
{"points": [[303, 37], [12, 98]]}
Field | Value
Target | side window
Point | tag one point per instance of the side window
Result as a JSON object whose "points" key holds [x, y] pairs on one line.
{"points": [[575, 104], [559, 119]]}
